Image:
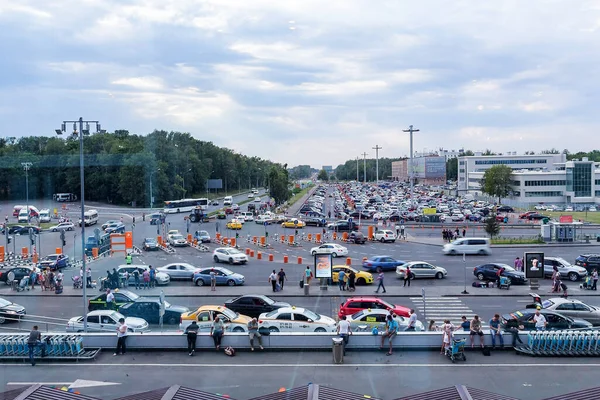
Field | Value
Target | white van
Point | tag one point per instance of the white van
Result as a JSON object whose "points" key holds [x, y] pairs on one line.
{"points": [[23, 215], [91, 218], [45, 215], [64, 197], [479, 246], [227, 200]]}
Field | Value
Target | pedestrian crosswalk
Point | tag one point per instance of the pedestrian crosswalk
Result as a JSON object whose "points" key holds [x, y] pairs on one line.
{"points": [[441, 308]]}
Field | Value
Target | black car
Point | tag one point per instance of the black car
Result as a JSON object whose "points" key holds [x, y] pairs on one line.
{"points": [[488, 272], [10, 311], [15, 273], [156, 218], [25, 230], [589, 261], [122, 297], [15, 229], [505, 209], [554, 320], [314, 221], [361, 215], [149, 309], [536, 216], [357, 237], [254, 305], [150, 244]]}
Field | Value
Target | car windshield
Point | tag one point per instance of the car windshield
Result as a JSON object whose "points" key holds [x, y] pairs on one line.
{"points": [[562, 261], [357, 315], [233, 252], [272, 313], [385, 303], [4, 302], [116, 315], [547, 303], [507, 268], [203, 233], [229, 313], [177, 237], [311, 315], [226, 271], [150, 240]]}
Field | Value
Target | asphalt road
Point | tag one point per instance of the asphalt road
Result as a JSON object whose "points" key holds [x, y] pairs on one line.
{"points": [[371, 373]]}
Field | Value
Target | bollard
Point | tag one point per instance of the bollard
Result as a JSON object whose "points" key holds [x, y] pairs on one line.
{"points": [[58, 250], [95, 252], [247, 252], [348, 261], [334, 235], [232, 242], [254, 239], [218, 237], [371, 232], [24, 252], [270, 257], [285, 259], [263, 241], [258, 255], [310, 237], [189, 237], [299, 260], [251, 253], [365, 259], [345, 236], [318, 237], [338, 350], [291, 240]]}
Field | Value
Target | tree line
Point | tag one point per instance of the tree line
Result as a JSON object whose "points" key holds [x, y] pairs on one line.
{"points": [[119, 167]]}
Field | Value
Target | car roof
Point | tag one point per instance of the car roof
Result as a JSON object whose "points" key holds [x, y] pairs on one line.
{"points": [[368, 298], [291, 309], [146, 300], [562, 300]]}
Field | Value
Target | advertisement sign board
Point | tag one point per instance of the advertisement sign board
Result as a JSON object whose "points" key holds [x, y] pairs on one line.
{"points": [[323, 264], [534, 265], [566, 219], [429, 211]]}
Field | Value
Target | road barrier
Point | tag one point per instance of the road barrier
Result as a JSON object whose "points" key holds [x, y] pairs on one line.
{"points": [[57, 346], [562, 343]]}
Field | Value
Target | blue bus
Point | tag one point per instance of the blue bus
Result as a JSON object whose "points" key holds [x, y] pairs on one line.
{"points": [[103, 244]]}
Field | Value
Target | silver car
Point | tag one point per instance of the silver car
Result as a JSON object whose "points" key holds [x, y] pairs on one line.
{"points": [[106, 321], [421, 269], [178, 270], [565, 268], [574, 309]]}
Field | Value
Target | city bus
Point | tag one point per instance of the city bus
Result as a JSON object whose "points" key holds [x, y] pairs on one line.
{"points": [[185, 205]]}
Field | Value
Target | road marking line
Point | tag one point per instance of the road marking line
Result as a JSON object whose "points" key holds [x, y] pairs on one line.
{"points": [[381, 365]]}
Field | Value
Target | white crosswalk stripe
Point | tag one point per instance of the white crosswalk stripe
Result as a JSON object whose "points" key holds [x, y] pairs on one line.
{"points": [[441, 308]]}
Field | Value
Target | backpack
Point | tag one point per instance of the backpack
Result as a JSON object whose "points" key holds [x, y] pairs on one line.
{"points": [[230, 351]]}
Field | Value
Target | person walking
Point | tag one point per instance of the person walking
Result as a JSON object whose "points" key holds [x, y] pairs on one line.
{"points": [[496, 331], [402, 235], [125, 280], [115, 279], [152, 276], [217, 331], [213, 280], [391, 330], [121, 338], [448, 335], [253, 333], [517, 263], [464, 232], [352, 281], [397, 231], [192, 334], [344, 330], [146, 278], [307, 275], [136, 278], [595, 279], [379, 279], [33, 277], [110, 300], [342, 280], [412, 321], [407, 276], [273, 280], [555, 280], [475, 330], [281, 278], [42, 280], [35, 340], [88, 278]]}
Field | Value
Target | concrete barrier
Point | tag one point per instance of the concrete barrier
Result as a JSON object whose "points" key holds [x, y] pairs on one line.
{"points": [[276, 341]]}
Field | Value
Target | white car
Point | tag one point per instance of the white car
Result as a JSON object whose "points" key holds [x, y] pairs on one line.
{"points": [[63, 226], [106, 321], [458, 217], [178, 270], [262, 219], [330, 248], [177, 240], [592, 209], [385, 236], [247, 216], [235, 207], [376, 318], [295, 319], [229, 255], [257, 199], [173, 232], [250, 195]]}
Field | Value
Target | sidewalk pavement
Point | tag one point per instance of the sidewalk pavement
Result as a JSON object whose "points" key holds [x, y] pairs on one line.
{"points": [[292, 289], [437, 241]]}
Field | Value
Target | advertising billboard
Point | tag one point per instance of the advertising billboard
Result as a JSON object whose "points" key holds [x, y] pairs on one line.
{"points": [[323, 264], [534, 265], [435, 167]]}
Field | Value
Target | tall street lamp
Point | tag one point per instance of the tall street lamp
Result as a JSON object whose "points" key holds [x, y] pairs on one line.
{"points": [[183, 178], [80, 133], [26, 167], [151, 192]]}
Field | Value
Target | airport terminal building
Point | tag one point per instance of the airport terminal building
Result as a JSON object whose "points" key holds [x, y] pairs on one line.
{"points": [[544, 178]]}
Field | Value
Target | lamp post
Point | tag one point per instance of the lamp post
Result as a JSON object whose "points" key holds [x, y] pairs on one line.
{"points": [[411, 168], [183, 178], [26, 166], [151, 192], [377, 148], [356, 169], [80, 134]]}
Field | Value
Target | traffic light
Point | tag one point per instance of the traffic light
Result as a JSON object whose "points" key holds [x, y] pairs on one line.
{"points": [[237, 235], [8, 239], [62, 236], [64, 242], [32, 240]]}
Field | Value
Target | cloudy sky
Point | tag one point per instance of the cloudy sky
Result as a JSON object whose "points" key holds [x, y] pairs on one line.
{"points": [[306, 81]]}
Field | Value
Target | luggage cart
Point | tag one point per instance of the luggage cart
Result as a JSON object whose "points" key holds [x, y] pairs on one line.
{"points": [[456, 351], [504, 283]]}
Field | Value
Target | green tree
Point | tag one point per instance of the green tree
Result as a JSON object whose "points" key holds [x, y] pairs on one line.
{"points": [[497, 181], [279, 185], [492, 227], [452, 169], [323, 175]]}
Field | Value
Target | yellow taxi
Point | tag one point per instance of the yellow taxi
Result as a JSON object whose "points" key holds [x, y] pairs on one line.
{"points": [[293, 223], [205, 316], [362, 277], [234, 224]]}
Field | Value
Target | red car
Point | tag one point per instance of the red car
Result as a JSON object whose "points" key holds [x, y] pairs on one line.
{"points": [[525, 215], [356, 304], [228, 210]]}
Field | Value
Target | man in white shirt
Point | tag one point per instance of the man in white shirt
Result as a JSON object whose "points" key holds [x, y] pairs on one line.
{"points": [[110, 300], [121, 337], [343, 329], [412, 321], [540, 320]]}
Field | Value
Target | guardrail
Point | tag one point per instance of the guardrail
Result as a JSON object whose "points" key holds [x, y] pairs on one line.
{"points": [[277, 341]]}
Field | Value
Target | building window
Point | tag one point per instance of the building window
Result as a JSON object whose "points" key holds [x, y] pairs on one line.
{"points": [[597, 182], [543, 194], [582, 180], [597, 193], [546, 183], [516, 183], [508, 162], [461, 163], [462, 171]]}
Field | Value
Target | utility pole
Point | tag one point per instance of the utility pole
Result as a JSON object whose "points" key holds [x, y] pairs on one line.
{"points": [[364, 167], [377, 148], [411, 169], [26, 167], [356, 169]]}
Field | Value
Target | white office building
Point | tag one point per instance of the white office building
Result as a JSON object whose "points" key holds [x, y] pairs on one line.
{"points": [[545, 178]]}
